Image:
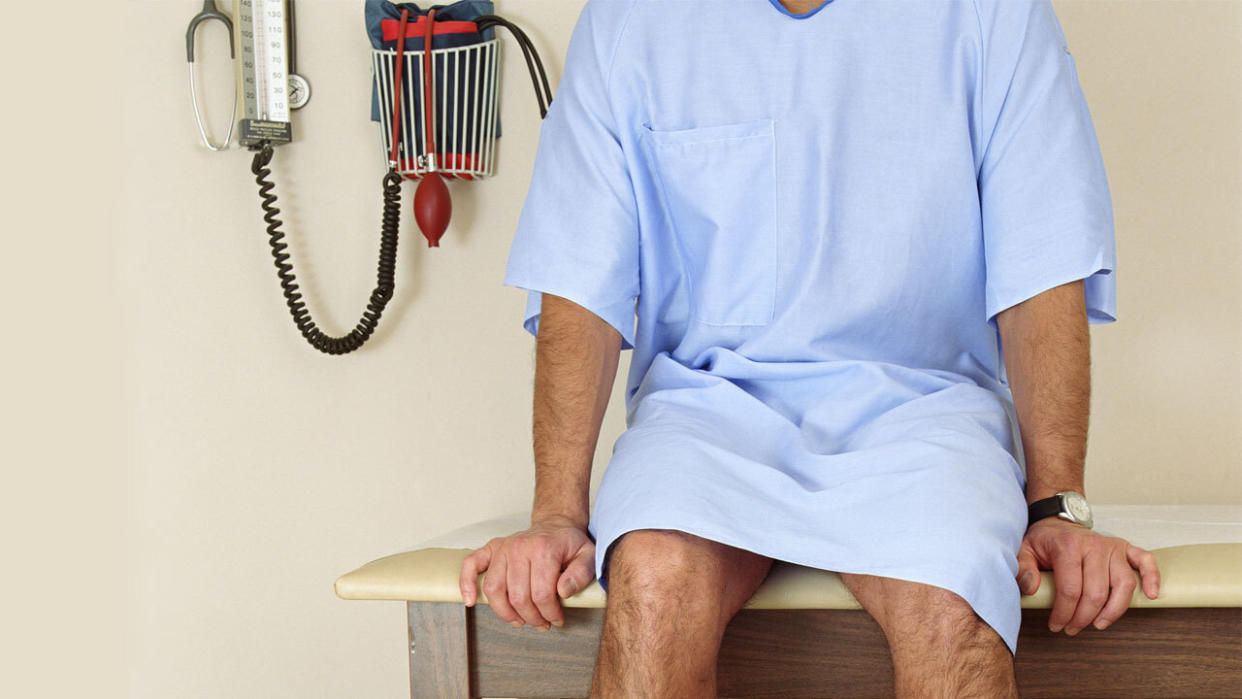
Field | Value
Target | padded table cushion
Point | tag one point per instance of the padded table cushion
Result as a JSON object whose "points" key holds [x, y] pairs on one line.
{"points": [[1198, 549]]}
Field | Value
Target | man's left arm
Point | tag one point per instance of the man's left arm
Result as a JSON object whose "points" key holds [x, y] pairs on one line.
{"points": [[1047, 354]]}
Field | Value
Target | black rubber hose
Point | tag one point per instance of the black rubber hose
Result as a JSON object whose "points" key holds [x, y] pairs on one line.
{"points": [[543, 93], [385, 283]]}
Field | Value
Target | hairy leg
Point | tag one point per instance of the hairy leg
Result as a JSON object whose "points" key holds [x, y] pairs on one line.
{"points": [[670, 596], [940, 646]]}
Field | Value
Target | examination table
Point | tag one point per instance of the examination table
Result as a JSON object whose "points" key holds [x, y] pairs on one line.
{"points": [[804, 635]]}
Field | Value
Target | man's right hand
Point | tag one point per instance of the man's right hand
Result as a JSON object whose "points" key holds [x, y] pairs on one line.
{"points": [[527, 570]]}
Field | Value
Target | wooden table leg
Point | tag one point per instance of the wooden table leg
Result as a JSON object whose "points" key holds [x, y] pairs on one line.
{"points": [[439, 656]]}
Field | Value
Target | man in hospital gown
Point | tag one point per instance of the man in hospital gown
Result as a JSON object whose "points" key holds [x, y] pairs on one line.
{"points": [[804, 227]]}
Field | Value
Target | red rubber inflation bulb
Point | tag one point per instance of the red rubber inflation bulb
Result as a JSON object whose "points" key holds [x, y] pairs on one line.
{"points": [[432, 204], [432, 207]]}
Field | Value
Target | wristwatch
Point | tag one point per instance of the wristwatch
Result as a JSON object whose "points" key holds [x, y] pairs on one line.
{"points": [[1066, 504]]}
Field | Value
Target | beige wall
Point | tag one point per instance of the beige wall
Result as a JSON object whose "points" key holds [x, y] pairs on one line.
{"points": [[1164, 84], [261, 469]]}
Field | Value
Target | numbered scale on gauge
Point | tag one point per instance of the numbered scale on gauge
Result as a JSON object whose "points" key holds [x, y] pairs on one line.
{"points": [[264, 72]]}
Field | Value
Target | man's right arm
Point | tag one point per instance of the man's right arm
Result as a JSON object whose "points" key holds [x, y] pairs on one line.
{"points": [[576, 357]]}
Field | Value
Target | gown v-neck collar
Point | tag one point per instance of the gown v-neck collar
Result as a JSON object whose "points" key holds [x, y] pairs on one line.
{"points": [[785, 11]]}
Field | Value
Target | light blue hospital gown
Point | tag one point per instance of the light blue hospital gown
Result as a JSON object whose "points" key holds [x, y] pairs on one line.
{"points": [[803, 227]]}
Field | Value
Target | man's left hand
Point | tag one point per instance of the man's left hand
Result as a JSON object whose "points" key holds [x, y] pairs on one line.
{"points": [[1093, 573]]}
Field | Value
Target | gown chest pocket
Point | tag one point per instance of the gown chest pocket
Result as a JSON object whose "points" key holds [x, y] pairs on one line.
{"points": [[719, 184]]}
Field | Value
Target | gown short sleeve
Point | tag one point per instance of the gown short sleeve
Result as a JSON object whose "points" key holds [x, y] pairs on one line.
{"points": [[1045, 203], [577, 234]]}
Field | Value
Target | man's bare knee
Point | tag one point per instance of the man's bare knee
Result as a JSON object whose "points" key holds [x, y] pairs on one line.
{"points": [[661, 632], [659, 569], [928, 621], [939, 644], [949, 650], [906, 608], [656, 565]]}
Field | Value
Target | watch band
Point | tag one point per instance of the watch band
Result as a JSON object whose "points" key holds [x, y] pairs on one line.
{"points": [[1040, 509]]}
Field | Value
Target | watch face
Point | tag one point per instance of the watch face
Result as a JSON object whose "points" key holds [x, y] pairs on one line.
{"points": [[1078, 507]]}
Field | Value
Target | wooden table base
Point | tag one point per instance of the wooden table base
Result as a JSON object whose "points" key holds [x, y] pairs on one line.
{"points": [[458, 652]]}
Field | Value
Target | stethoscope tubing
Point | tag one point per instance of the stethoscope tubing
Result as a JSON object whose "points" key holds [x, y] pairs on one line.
{"points": [[208, 13]]}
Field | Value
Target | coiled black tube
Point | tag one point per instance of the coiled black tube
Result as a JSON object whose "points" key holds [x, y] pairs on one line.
{"points": [[387, 261]]}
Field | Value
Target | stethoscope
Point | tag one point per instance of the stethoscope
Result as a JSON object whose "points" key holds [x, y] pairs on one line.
{"points": [[299, 88]]}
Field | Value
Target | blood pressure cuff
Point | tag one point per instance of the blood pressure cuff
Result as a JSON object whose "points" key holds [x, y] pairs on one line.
{"points": [[454, 27]]}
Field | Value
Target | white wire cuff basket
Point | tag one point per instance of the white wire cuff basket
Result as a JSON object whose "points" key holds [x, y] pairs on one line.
{"points": [[465, 104]]}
